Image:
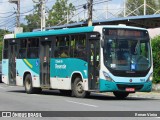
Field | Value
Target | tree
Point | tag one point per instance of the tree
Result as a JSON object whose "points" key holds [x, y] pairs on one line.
{"points": [[132, 5], [59, 12], [33, 20], [156, 59], [25, 27]]}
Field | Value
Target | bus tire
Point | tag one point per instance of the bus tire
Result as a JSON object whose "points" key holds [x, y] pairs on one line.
{"points": [[121, 95], [28, 85], [78, 90]]}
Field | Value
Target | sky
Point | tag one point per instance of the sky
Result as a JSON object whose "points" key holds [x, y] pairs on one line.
{"points": [[8, 20]]}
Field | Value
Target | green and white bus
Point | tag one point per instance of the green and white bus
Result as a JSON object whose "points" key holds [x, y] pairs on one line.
{"points": [[77, 61]]}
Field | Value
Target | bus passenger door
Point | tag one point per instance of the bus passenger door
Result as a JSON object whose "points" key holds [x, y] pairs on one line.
{"points": [[12, 62], [93, 63], [45, 48]]}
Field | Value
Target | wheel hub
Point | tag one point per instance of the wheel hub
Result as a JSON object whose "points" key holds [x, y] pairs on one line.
{"points": [[80, 87]]}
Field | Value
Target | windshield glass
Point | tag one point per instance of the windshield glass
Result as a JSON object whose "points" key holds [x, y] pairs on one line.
{"points": [[126, 49]]}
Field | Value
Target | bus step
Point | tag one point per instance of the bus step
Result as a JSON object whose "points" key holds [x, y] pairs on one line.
{"points": [[93, 90], [45, 87]]}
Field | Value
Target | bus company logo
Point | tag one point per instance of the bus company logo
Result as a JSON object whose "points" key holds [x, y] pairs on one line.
{"points": [[130, 80], [37, 63]]}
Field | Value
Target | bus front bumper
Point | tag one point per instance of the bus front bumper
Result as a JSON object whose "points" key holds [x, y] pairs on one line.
{"points": [[108, 86]]}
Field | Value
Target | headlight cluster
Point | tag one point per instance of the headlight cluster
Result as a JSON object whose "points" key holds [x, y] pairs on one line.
{"points": [[107, 77], [150, 78]]}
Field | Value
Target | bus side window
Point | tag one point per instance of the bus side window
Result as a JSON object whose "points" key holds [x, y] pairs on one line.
{"points": [[73, 45], [33, 48], [62, 47], [80, 45], [5, 49], [22, 50]]}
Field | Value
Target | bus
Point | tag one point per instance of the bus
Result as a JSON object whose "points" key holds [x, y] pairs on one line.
{"points": [[77, 61]]}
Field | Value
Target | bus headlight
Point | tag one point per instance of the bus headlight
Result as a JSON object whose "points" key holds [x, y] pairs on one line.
{"points": [[150, 77], [107, 77]]}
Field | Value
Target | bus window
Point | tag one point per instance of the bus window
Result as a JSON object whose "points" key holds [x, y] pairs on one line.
{"points": [[78, 46], [5, 49], [33, 48], [62, 47], [22, 50]]}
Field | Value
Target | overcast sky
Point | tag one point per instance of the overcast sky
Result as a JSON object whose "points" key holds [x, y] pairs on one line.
{"points": [[99, 13]]}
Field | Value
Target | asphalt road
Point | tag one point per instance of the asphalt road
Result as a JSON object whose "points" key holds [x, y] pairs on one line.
{"points": [[13, 98]]}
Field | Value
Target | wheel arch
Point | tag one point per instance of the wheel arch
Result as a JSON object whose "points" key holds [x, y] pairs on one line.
{"points": [[74, 75]]}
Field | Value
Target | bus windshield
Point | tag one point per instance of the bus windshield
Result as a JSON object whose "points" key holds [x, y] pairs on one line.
{"points": [[126, 49]]}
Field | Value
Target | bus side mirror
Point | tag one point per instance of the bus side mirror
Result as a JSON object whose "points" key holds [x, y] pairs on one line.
{"points": [[102, 43]]}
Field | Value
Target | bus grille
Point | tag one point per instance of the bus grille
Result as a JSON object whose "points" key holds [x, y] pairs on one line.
{"points": [[123, 87]]}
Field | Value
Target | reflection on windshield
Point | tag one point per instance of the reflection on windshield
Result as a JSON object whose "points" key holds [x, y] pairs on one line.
{"points": [[127, 54]]}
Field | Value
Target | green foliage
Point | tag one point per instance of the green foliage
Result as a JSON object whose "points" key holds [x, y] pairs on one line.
{"points": [[156, 59], [33, 20], [25, 27], [59, 12], [131, 5]]}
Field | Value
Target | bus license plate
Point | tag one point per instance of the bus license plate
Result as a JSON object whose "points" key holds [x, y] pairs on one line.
{"points": [[130, 89]]}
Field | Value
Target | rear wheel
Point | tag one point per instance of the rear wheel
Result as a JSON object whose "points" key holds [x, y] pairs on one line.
{"points": [[28, 86], [78, 89], [121, 95]]}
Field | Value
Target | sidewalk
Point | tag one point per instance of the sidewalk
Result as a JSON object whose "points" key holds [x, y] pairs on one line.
{"points": [[153, 94]]}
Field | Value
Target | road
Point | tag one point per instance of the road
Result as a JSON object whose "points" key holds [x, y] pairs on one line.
{"points": [[13, 98]]}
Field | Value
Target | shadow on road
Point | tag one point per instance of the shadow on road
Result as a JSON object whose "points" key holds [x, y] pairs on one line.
{"points": [[93, 96]]}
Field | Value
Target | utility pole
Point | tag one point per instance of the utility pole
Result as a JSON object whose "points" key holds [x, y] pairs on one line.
{"points": [[124, 7], [43, 15], [145, 7], [17, 2], [90, 6]]}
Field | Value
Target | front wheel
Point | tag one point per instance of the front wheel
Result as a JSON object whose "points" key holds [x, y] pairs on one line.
{"points": [[121, 95], [78, 89]]}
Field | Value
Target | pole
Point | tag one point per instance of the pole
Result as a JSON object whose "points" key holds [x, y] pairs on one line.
{"points": [[90, 5], [43, 15], [67, 16], [144, 7], [18, 13], [124, 12]]}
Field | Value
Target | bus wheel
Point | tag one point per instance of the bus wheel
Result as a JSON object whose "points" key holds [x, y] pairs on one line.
{"points": [[78, 90], [121, 95], [28, 85]]}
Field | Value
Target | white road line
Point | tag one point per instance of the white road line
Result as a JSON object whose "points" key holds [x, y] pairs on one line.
{"points": [[157, 117], [2, 87], [81, 103]]}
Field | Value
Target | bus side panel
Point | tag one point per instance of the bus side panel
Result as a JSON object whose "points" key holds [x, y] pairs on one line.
{"points": [[61, 71], [5, 70], [28, 65]]}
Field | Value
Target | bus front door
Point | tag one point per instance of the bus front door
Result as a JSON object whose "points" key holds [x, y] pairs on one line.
{"points": [[12, 62], [93, 64], [45, 48]]}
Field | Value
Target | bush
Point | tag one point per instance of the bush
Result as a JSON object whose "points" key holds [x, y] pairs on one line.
{"points": [[156, 59]]}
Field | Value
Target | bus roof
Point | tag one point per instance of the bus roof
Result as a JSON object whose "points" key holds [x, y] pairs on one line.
{"points": [[56, 32], [66, 31]]}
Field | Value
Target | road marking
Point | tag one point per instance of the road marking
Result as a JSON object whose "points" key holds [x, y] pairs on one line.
{"points": [[2, 87], [81, 103]]}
